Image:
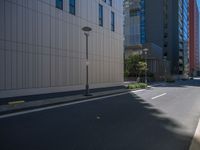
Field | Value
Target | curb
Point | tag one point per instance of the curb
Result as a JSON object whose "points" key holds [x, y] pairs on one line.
{"points": [[54, 101], [195, 144]]}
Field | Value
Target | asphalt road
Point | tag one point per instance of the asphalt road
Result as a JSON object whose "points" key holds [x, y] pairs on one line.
{"points": [[161, 118]]}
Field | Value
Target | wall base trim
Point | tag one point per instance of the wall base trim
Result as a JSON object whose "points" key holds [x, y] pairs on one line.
{"points": [[37, 91]]}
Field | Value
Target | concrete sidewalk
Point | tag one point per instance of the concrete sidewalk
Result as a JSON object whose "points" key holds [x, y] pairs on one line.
{"points": [[20, 104], [16, 104]]}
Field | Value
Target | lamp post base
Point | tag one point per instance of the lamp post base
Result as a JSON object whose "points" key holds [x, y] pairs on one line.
{"points": [[87, 91], [146, 82], [88, 95]]}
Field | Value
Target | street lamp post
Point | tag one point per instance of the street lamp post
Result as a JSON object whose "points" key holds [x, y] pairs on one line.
{"points": [[86, 33], [145, 52], [165, 61]]}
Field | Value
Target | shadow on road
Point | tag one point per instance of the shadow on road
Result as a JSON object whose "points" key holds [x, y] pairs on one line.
{"points": [[123, 122], [183, 83]]}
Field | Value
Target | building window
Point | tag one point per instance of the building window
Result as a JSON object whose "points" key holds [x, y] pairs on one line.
{"points": [[142, 22], [100, 15], [110, 2], [134, 12], [165, 35], [112, 21], [165, 44], [72, 7], [59, 4]]}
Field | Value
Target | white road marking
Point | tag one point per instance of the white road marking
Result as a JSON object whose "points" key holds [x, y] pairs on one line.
{"points": [[196, 139], [156, 85], [15, 102], [138, 91], [98, 117], [57, 106], [159, 96]]}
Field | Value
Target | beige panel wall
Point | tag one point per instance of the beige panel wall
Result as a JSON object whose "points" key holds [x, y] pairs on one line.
{"points": [[44, 47]]}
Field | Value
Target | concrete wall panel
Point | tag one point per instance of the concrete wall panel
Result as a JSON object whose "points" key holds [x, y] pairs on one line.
{"points": [[2, 22], [2, 65], [45, 46]]}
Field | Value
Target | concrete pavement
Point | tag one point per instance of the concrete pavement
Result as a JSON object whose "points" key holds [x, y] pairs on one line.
{"points": [[132, 121]]}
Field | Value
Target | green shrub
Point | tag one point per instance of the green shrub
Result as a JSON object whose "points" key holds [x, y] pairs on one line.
{"points": [[170, 80], [137, 86], [135, 66], [184, 79], [126, 73]]}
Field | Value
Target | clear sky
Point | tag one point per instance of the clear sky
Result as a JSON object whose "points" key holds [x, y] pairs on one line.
{"points": [[198, 1]]}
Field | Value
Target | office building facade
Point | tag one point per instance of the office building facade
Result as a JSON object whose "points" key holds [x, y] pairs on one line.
{"points": [[176, 35], [194, 37], [140, 30], [134, 22], [165, 24], [42, 46], [139, 25]]}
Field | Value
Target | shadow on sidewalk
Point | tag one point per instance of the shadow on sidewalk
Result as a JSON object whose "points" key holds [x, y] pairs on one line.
{"points": [[182, 83]]}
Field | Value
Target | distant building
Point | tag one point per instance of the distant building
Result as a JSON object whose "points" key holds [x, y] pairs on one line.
{"points": [[194, 37], [134, 22], [139, 26], [163, 23], [176, 34], [42, 46]]}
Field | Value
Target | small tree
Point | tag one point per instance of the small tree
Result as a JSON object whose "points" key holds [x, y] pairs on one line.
{"points": [[142, 67], [135, 66], [131, 64]]}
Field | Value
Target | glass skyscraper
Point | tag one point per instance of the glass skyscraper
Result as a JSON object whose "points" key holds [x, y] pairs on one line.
{"points": [[142, 21], [134, 22], [162, 22], [183, 35], [176, 34]]}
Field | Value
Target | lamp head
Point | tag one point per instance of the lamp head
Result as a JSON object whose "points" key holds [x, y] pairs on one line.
{"points": [[87, 29], [145, 50]]}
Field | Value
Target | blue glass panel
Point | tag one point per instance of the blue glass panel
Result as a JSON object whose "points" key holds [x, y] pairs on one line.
{"points": [[59, 4], [100, 15], [72, 7]]}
